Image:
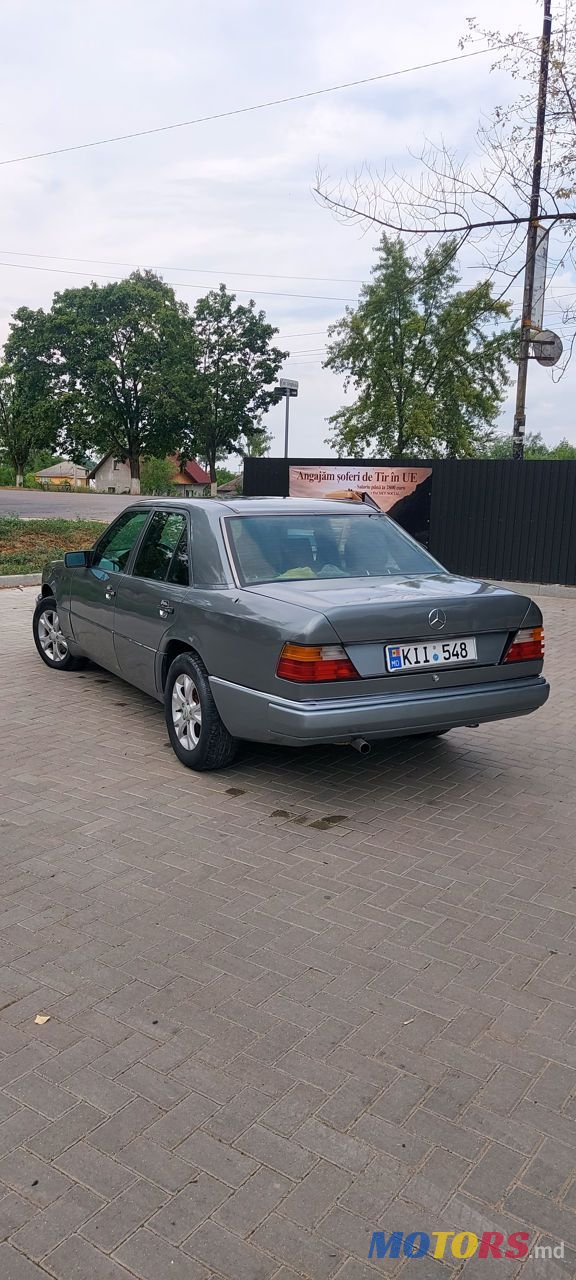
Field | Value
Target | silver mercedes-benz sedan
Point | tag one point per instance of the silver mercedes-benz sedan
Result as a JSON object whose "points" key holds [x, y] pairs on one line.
{"points": [[290, 621]]}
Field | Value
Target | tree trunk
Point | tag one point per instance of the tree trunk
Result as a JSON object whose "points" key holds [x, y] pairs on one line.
{"points": [[19, 479], [213, 479], [135, 475]]}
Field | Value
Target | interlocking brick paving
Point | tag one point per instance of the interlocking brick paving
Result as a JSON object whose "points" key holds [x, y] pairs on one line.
{"points": [[313, 996]]}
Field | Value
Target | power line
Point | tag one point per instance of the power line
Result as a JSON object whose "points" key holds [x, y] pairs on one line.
{"points": [[314, 333], [111, 262], [211, 271], [312, 357], [197, 287], [240, 111], [177, 284], [255, 275], [185, 284]]}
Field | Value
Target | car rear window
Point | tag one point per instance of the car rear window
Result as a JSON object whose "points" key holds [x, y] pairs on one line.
{"points": [[284, 547]]}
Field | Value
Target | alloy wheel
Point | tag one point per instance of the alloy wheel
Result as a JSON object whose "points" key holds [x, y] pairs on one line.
{"points": [[186, 712], [51, 636]]}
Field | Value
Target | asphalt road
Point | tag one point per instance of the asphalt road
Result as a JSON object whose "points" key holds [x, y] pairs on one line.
{"points": [[89, 506]]}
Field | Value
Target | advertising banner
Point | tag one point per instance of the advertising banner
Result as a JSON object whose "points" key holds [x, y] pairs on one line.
{"points": [[402, 492]]}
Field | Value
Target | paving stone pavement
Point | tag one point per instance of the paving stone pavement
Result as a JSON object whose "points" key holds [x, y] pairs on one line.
{"points": [[313, 996]]}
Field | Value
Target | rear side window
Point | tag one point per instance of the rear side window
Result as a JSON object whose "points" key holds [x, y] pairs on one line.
{"points": [[159, 545], [179, 572]]}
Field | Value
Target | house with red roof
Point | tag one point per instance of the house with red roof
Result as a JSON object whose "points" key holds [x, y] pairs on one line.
{"points": [[112, 475], [190, 479]]}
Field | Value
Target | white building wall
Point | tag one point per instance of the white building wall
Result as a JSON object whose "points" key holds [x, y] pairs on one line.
{"points": [[113, 476], [190, 490]]}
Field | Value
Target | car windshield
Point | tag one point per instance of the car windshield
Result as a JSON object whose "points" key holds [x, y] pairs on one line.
{"points": [[301, 546]]}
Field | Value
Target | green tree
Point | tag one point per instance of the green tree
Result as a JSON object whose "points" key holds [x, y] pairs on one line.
{"points": [[223, 475], [238, 370], [27, 414], [41, 458], [429, 377], [156, 476], [19, 425], [28, 421], [258, 446], [122, 362], [562, 450], [59, 419], [534, 447]]}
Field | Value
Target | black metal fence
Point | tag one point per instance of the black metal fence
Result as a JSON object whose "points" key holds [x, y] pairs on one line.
{"points": [[496, 519]]}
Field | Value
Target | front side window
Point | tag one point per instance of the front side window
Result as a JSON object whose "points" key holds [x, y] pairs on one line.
{"points": [[162, 537], [276, 548], [113, 549]]}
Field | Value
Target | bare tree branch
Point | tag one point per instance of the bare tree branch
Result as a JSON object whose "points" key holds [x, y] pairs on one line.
{"points": [[354, 210], [484, 200]]}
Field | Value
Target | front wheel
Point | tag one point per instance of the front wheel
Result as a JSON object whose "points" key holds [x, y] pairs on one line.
{"points": [[199, 738], [49, 638]]}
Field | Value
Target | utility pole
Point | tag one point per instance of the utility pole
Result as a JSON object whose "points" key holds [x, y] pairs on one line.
{"points": [[532, 240]]}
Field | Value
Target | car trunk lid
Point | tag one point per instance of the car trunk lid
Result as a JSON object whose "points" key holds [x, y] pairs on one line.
{"points": [[391, 609]]}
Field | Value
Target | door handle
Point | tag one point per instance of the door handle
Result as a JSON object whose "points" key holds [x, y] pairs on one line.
{"points": [[110, 593], [165, 608]]}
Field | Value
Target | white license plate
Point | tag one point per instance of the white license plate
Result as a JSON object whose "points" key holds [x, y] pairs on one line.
{"points": [[429, 653]]}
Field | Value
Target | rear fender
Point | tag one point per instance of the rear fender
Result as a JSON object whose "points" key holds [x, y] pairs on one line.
{"points": [[173, 643], [532, 617]]}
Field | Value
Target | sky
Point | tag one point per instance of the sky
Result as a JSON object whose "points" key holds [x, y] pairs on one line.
{"points": [[232, 200]]}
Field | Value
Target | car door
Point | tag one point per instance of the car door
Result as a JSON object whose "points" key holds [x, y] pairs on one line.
{"points": [[94, 589], [150, 596]]}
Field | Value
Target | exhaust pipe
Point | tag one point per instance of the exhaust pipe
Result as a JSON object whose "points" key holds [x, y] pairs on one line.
{"points": [[361, 746]]}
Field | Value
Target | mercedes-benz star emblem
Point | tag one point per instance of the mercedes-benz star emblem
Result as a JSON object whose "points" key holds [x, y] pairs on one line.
{"points": [[437, 619]]}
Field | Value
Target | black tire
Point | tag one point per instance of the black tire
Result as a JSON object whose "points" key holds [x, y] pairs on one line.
{"points": [[212, 747], [55, 655]]}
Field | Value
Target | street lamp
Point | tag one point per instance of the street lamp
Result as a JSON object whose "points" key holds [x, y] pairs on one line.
{"points": [[288, 388]]}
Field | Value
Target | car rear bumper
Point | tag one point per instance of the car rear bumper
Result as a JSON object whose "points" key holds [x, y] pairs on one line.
{"points": [[261, 717]]}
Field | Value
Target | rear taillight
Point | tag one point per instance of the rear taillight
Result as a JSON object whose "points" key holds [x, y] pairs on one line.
{"points": [[527, 646], [315, 664]]}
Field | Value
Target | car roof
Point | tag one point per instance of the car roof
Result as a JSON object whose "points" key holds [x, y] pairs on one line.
{"points": [[262, 506]]}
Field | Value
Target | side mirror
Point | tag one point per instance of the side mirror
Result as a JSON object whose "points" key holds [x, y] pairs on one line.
{"points": [[77, 559]]}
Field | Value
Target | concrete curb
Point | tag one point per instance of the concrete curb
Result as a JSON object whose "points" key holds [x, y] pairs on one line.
{"points": [[538, 589], [20, 579]]}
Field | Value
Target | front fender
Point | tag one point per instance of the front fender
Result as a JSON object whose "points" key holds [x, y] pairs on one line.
{"points": [[56, 576], [56, 581]]}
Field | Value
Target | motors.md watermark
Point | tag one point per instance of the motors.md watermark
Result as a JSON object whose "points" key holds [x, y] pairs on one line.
{"points": [[460, 1245]]}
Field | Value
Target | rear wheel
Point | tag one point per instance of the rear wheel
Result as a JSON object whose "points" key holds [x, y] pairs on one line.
{"points": [[49, 638], [199, 738]]}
